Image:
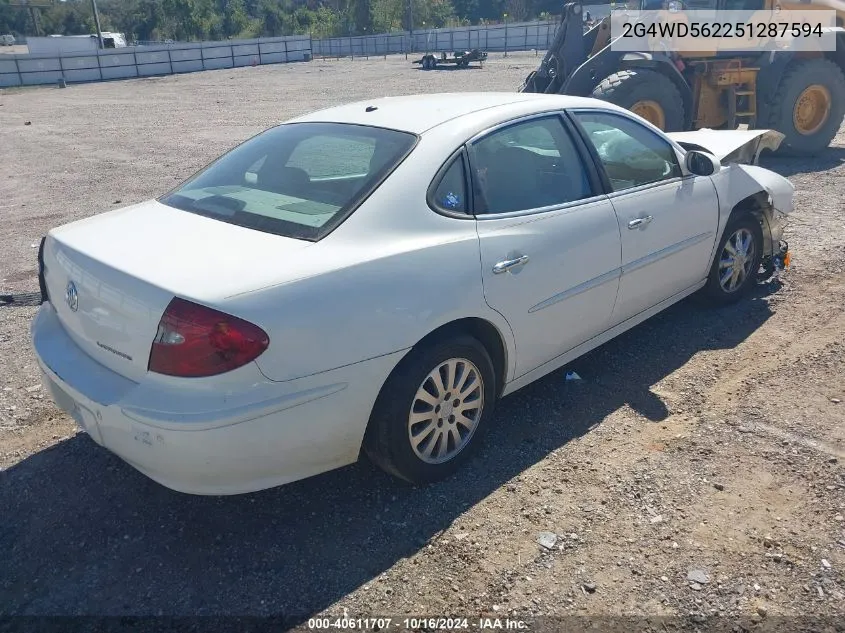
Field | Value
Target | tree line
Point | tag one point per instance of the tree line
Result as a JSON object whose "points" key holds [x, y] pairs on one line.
{"points": [[187, 20]]}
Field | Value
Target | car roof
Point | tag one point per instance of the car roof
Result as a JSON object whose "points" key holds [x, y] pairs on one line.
{"points": [[420, 113]]}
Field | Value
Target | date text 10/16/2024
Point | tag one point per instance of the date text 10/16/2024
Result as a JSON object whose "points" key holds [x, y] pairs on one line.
{"points": [[412, 623]]}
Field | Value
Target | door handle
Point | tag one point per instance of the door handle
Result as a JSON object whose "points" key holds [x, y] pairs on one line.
{"points": [[505, 266], [640, 222]]}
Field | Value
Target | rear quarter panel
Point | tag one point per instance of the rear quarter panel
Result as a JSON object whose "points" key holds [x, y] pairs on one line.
{"points": [[392, 273]]}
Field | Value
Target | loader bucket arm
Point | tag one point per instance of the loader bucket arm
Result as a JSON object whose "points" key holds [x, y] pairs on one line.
{"points": [[585, 77], [568, 51]]}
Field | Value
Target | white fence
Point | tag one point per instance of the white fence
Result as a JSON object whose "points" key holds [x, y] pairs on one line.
{"points": [[498, 38], [520, 36], [185, 57], [146, 61]]}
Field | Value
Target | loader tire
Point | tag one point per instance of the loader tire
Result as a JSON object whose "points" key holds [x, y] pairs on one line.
{"points": [[647, 93], [808, 106]]}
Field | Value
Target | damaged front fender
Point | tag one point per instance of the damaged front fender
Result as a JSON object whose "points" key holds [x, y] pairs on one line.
{"points": [[742, 185], [765, 193]]}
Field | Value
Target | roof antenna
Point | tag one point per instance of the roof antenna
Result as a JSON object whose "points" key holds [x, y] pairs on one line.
{"points": [[371, 109]]}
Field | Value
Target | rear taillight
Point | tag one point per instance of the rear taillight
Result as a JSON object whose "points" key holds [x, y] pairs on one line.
{"points": [[194, 341]]}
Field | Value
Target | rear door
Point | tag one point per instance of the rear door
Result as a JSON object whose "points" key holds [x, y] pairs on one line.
{"points": [[667, 219], [549, 240]]}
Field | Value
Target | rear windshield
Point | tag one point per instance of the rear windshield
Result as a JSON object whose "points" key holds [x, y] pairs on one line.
{"points": [[297, 180]]}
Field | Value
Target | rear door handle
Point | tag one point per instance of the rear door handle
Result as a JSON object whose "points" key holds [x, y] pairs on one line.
{"points": [[639, 223], [505, 266]]}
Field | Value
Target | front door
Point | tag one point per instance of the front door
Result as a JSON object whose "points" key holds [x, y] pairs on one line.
{"points": [[667, 220], [549, 240]]}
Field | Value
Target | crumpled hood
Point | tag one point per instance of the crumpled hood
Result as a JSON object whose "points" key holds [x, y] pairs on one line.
{"points": [[730, 146]]}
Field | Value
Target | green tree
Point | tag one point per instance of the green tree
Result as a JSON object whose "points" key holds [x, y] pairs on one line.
{"points": [[235, 19], [387, 15], [204, 19]]}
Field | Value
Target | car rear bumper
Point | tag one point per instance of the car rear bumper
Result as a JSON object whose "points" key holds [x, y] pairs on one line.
{"points": [[296, 429]]}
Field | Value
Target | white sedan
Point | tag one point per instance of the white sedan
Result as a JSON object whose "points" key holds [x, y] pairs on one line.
{"points": [[376, 275]]}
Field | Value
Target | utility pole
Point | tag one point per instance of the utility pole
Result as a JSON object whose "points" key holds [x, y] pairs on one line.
{"points": [[97, 21], [411, 21], [35, 23], [28, 5]]}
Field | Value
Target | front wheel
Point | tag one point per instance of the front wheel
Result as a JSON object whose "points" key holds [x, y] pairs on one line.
{"points": [[432, 411], [737, 262]]}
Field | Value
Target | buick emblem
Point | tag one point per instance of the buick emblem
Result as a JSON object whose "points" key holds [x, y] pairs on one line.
{"points": [[71, 296]]}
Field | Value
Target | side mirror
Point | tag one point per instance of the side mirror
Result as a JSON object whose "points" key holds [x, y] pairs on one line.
{"points": [[702, 163]]}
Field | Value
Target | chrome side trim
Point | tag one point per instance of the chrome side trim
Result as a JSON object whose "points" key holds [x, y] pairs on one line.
{"points": [[572, 205], [576, 290], [665, 252]]}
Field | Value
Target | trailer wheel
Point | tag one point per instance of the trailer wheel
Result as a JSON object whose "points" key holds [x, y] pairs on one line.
{"points": [[646, 93], [808, 106]]}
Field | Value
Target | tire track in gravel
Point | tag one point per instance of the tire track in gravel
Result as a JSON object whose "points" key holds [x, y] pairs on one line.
{"points": [[781, 342]]}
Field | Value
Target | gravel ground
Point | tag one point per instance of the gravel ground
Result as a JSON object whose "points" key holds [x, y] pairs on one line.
{"points": [[695, 471]]}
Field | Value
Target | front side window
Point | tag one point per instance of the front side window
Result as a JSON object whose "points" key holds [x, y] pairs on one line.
{"points": [[632, 155], [296, 180], [525, 166]]}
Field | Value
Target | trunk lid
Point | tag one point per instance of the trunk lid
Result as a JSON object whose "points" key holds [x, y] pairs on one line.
{"points": [[110, 277]]}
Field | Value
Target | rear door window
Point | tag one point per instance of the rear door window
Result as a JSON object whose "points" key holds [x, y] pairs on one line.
{"points": [[528, 165]]}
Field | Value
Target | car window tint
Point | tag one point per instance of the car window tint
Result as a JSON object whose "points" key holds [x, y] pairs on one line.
{"points": [[450, 193], [632, 155], [535, 137], [528, 165], [297, 180], [331, 156]]}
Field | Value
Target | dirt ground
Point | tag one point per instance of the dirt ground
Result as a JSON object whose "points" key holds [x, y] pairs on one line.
{"points": [[15, 49], [695, 471]]}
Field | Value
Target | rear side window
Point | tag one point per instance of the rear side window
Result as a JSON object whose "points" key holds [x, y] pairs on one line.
{"points": [[298, 180], [450, 193]]}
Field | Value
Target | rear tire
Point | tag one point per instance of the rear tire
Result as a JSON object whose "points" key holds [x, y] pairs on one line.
{"points": [[627, 88], [808, 80], [411, 391], [722, 289]]}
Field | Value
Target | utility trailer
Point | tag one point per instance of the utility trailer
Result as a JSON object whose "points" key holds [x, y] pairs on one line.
{"points": [[461, 59]]}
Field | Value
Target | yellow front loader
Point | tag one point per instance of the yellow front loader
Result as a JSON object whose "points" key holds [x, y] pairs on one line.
{"points": [[800, 93]]}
